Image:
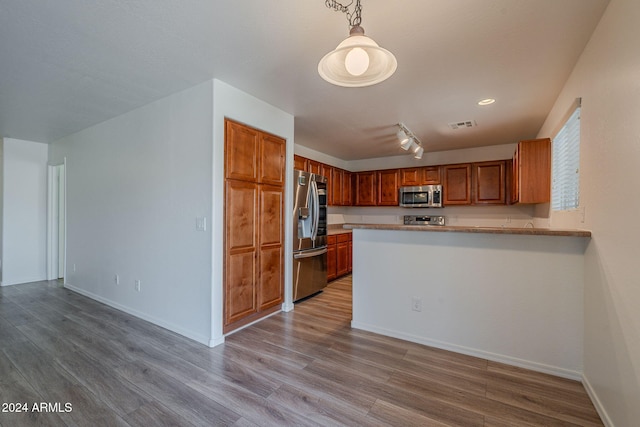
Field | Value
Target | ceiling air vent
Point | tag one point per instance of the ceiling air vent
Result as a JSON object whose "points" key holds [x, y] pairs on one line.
{"points": [[464, 124]]}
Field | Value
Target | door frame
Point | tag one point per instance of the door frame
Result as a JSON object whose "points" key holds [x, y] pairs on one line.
{"points": [[57, 220]]}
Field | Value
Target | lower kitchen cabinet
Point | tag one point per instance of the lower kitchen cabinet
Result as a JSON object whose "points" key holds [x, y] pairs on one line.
{"points": [[339, 255], [332, 247]]}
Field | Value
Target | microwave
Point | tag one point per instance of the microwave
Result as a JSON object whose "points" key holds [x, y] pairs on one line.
{"points": [[424, 196]]}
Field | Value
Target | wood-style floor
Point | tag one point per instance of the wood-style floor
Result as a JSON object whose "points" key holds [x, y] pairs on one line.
{"points": [[307, 367]]}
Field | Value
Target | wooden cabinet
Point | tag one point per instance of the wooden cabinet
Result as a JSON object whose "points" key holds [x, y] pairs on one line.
{"points": [[300, 163], [332, 247], [481, 183], [531, 172], [366, 188], [337, 176], [427, 175], [456, 184], [489, 183], [253, 222], [339, 253], [327, 172], [342, 254], [314, 167], [388, 185], [347, 184]]}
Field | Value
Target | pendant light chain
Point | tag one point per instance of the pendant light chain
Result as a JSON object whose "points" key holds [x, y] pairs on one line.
{"points": [[354, 18]]}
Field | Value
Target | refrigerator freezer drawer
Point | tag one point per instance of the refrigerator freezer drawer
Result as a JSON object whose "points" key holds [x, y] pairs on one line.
{"points": [[309, 272]]}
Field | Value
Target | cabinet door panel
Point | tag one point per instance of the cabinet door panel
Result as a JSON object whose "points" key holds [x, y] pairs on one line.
{"points": [[271, 282], [300, 163], [388, 185], [240, 214], [489, 180], [241, 146], [336, 186], [272, 160], [346, 188], [342, 258], [314, 167], [431, 175], [366, 188], [331, 262], [457, 184], [240, 289], [410, 177], [271, 215]]}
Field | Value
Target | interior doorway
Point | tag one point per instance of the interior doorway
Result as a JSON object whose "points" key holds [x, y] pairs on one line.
{"points": [[56, 222]]}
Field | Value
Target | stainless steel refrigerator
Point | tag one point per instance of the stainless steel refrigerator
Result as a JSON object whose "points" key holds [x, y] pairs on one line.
{"points": [[309, 234]]}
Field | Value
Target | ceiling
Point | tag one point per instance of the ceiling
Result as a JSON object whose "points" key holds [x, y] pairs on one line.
{"points": [[66, 65]]}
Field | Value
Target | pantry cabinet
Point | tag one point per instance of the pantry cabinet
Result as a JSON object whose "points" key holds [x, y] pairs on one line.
{"points": [[254, 224]]}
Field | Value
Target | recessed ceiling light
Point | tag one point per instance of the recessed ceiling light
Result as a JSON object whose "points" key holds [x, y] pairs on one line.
{"points": [[487, 101]]}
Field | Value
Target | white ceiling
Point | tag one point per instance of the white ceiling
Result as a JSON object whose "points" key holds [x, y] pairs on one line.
{"points": [[66, 65]]}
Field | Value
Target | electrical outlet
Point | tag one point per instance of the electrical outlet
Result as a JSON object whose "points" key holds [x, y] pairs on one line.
{"points": [[416, 303], [116, 279], [74, 268], [137, 285]]}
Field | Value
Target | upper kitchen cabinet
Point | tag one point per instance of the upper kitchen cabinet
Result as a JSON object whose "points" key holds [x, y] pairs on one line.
{"points": [[337, 177], [347, 188], [314, 167], [271, 161], [241, 161], [489, 183], [427, 175], [365, 188], [388, 185], [531, 172], [300, 163], [252, 155], [456, 184]]}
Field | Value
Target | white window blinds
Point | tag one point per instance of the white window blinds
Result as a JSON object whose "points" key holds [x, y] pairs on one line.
{"points": [[565, 191]]}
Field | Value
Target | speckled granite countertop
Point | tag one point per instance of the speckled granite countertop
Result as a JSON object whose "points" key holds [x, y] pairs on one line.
{"points": [[460, 229]]}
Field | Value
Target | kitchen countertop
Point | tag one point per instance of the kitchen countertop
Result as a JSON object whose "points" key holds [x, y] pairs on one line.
{"points": [[466, 229], [341, 230]]}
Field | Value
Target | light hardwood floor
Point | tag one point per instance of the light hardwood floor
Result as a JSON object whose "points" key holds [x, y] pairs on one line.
{"points": [[307, 367]]}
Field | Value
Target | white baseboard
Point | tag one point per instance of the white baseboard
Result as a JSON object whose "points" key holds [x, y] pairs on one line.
{"points": [[159, 322], [508, 360], [604, 416], [216, 341]]}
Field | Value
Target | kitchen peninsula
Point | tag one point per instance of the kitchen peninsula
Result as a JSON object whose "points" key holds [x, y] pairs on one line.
{"points": [[513, 295]]}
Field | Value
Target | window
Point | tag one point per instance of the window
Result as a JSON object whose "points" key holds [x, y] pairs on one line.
{"points": [[565, 190]]}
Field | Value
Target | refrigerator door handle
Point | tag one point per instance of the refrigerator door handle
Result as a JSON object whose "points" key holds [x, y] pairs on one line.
{"points": [[310, 254], [315, 209]]}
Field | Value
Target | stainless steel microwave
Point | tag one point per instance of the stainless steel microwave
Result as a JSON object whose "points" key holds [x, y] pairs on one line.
{"points": [[424, 196]]}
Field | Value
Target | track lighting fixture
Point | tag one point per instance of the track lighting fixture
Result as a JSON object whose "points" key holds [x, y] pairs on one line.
{"points": [[409, 142]]}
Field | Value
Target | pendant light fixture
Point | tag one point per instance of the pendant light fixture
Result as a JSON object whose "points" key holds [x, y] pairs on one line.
{"points": [[358, 61]]}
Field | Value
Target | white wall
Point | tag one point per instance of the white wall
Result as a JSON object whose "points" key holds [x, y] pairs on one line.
{"points": [[511, 298], [607, 77], [232, 103], [24, 223], [135, 185]]}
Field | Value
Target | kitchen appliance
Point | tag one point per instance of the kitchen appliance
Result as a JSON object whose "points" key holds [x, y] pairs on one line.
{"points": [[309, 234], [423, 196], [423, 220]]}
